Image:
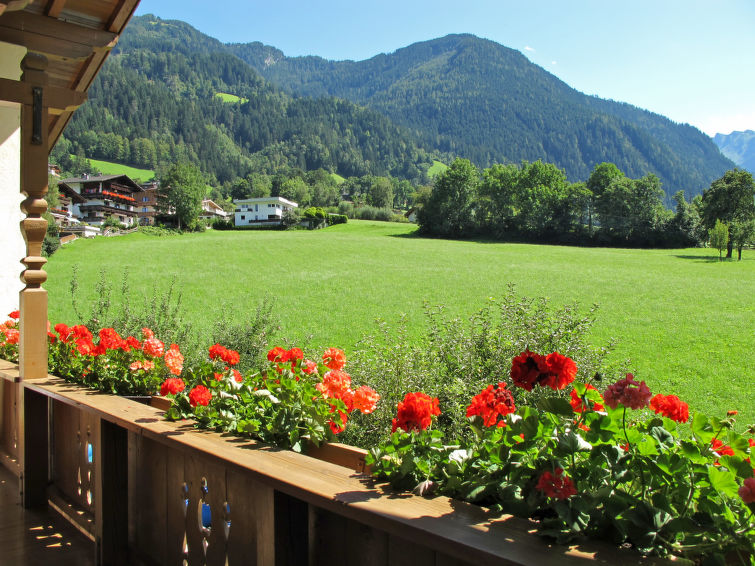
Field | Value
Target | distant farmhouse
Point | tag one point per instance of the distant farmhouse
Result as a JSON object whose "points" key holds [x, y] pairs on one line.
{"points": [[211, 210], [261, 211], [146, 203], [104, 196]]}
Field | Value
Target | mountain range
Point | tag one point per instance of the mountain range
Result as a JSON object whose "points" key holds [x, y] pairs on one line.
{"points": [[739, 147], [391, 114]]}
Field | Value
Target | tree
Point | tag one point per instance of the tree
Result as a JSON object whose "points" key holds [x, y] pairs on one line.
{"points": [[380, 194], [603, 174], [718, 236], [742, 232], [182, 189], [450, 209], [730, 199]]}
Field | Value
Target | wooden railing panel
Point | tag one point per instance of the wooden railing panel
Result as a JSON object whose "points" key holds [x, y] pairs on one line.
{"points": [[67, 450], [9, 393], [419, 531], [148, 501], [207, 494], [368, 544]]}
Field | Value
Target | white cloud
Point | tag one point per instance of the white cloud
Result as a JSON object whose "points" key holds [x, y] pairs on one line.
{"points": [[726, 123], [554, 63], [528, 48]]}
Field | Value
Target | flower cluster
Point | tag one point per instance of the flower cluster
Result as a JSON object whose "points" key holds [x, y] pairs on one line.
{"points": [[629, 393], [9, 336], [570, 454], [555, 484], [529, 369], [415, 412], [492, 403], [287, 404]]}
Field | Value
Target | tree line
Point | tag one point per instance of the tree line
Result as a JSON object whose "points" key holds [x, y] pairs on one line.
{"points": [[535, 202]]}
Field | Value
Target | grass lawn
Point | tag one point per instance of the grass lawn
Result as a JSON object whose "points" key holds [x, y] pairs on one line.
{"points": [[230, 98], [110, 168], [436, 168], [686, 321]]}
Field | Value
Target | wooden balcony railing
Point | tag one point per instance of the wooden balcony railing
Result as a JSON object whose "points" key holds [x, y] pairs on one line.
{"points": [[150, 491]]}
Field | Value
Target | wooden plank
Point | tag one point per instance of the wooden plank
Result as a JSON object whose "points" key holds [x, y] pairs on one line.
{"points": [[176, 508], [111, 495], [207, 493], [291, 530], [402, 552], [327, 533], [149, 500], [242, 532], [452, 528], [65, 450], [10, 392], [35, 450], [366, 545]]}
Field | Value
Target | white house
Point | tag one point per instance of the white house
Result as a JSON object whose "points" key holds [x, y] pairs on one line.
{"points": [[211, 209], [261, 211]]}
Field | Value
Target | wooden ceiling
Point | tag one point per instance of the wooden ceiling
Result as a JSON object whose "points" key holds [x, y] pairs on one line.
{"points": [[76, 36]]}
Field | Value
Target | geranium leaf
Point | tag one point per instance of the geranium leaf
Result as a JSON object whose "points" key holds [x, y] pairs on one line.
{"points": [[724, 482], [571, 443], [555, 405]]}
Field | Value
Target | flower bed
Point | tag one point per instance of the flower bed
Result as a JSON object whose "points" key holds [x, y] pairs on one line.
{"points": [[587, 466], [580, 463]]}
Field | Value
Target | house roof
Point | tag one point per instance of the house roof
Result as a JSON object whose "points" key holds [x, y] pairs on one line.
{"points": [[70, 193], [123, 179], [76, 36], [260, 200]]}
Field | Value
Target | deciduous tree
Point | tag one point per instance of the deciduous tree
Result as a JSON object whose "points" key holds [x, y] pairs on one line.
{"points": [[182, 189]]}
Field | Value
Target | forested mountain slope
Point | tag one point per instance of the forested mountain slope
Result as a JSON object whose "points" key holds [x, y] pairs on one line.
{"points": [[477, 99], [155, 102], [739, 147]]}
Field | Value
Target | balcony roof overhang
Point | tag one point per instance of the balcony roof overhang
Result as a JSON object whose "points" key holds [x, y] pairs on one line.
{"points": [[75, 36]]}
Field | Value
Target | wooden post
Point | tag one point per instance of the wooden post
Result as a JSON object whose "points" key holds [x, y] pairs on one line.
{"points": [[33, 298]]}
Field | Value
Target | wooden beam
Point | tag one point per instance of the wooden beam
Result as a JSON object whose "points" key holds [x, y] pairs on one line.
{"points": [[10, 5], [56, 99], [55, 7], [55, 38]]}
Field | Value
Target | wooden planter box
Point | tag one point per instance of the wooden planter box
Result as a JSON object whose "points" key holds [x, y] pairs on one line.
{"points": [[156, 492]]}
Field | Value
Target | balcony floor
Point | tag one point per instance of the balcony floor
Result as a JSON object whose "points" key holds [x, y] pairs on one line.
{"points": [[37, 537]]}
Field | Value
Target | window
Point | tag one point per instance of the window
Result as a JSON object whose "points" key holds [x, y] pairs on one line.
{"points": [[256, 207], [243, 217], [145, 199], [145, 209]]}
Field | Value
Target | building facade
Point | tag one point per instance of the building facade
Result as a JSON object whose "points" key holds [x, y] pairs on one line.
{"points": [[106, 196], [261, 211], [146, 203]]}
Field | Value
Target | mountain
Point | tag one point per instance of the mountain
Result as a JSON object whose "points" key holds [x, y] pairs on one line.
{"points": [[739, 147], [475, 98], [169, 92]]}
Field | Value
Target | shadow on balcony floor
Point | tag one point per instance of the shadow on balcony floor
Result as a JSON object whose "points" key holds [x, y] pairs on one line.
{"points": [[37, 537]]}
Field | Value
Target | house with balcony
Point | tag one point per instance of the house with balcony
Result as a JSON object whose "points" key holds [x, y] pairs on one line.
{"points": [[212, 210], [146, 203], [261, 211], [105, 196], [63, 213]]}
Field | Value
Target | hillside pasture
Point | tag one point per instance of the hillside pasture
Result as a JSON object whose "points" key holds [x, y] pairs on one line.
{"points": [[684, 320], [111, 168]]}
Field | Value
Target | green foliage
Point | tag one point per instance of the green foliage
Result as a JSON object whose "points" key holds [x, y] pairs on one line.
{"points": [[182, 189], [337, 219], [291, 218], [718, 236], [729, 199], [477, 99], [458, 357], [450, 210]]}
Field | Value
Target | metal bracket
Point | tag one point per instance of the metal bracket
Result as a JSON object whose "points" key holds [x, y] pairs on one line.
{"points": [[36, 135]]}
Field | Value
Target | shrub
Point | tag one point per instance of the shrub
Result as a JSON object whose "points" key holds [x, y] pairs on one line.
{"points": [[222, 224], [346, 208], [337, 219], [458, 357]]}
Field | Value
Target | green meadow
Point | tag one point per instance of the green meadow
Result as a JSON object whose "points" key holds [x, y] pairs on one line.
{"points": [[684, 320], [230, 98], [110, 168]]}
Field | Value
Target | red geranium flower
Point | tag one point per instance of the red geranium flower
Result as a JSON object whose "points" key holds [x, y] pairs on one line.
{"points": [[278, 355], [334, 384], [334, 358], [747, 491], [153, 347], [628, 393], [560, 371], [720, 448], [237, 376], [172, 386], [415, 412], [11, 335], [133, 343], [174, 360], [216, 351], [365, 399], [492, 402], [147, 333], [110, 339], [63, 331], [338, 428], [200, 395], [578, 405], [556, 484], [15, 315], [526, 369], [309, 367], [670, 406]]}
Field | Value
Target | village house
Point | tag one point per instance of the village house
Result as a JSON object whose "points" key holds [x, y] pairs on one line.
{"points": [[261, 211], [146, 203], [63, 213], [211, 210], [105, 196]]}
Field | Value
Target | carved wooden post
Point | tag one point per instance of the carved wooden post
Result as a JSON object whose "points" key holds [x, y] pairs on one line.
{"points": [[33, 298]]}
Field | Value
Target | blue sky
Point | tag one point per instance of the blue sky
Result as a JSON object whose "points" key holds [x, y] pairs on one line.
{"points": [[690, 60]]}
